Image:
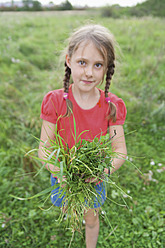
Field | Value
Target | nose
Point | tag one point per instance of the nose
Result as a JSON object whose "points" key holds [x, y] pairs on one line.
{"points": [[88, 71]]}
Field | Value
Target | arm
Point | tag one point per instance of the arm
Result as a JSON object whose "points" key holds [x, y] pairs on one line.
{"points": [[47, 132], [119, 146]]}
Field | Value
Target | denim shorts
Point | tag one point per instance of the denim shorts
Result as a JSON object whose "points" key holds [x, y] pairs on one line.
{"points": [[58, 196]]}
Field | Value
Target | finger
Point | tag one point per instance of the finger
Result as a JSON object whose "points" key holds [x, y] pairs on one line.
{"points": [[63, 185], [91, 180], [63, 179]]}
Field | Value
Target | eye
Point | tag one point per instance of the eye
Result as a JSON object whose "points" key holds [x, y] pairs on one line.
{"points": [[82, 63], [98, 65]]}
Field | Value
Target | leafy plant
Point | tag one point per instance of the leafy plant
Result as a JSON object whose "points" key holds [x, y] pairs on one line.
{"points": [[85, 160]]}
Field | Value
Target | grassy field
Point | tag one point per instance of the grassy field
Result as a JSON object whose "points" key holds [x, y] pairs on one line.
{"points": [[30, 48]]}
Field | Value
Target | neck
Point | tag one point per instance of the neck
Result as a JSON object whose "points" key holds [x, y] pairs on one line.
{"points": [[86, 100]]}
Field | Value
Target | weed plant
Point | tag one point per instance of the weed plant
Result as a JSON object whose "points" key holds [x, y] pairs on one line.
{"points": [[85, 160]]}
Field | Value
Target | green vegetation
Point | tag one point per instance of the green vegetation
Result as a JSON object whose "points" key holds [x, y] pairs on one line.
{"points": [[85, 160], [34, 5], [147, 8], [30, 67]]}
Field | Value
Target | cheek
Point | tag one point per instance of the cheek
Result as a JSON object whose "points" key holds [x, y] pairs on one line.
{"points": [[77, 71], [101, 75], [76, 74]]}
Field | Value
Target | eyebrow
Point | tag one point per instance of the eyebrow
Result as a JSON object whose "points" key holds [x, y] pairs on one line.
{"points": [[97, 61]]}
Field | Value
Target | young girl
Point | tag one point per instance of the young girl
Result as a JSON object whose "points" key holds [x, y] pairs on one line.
{"points": [[89, 58]]}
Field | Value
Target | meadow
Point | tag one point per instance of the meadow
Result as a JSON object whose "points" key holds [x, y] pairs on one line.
{"points": [[30, 66]]}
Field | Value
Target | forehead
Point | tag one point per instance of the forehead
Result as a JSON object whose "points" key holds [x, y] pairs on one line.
{"points": [[89, 49]]}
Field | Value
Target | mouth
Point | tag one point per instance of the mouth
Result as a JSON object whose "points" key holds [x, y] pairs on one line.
{"points": [[87, 82]]}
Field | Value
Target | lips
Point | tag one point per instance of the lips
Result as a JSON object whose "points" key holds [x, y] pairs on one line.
{"points": [[87, 82]]}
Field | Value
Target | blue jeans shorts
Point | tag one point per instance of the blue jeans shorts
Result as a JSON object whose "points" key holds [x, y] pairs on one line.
{"points": [[59, 201]]}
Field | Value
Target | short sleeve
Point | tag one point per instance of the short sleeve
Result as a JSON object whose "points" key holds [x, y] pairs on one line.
{"points": [[121, 112], [48, 110]]}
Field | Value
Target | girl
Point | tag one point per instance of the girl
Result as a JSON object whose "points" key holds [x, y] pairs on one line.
{"points": [[89, 58]]}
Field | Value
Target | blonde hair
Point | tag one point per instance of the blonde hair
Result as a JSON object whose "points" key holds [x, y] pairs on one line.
{"points": [[104, 42]]}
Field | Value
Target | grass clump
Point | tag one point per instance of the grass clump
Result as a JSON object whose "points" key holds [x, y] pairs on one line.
{"points": [[80, 169]]}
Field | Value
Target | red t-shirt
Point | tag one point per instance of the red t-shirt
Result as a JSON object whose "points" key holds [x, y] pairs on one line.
{"points": [[92, 120]]}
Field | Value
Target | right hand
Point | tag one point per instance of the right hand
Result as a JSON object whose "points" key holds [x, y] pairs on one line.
{"points": [[63, 180]]}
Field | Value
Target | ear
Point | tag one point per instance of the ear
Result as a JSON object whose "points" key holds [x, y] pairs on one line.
{"points": [[67, 58]]}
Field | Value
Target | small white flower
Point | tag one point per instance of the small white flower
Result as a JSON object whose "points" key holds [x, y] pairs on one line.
{"points": [[159, 170], [131, 159], [128, 191], [125, 196], [159, 164], [3, 225], [154, 180], [114, 194], [15, 60], [152, 162], [65, 217], [130, 210], [127, 157], [144, 188], [149, 177], [150, 172], [103, 212], [83, 222]]}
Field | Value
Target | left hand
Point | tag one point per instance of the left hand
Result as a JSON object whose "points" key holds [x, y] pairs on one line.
{"points": [[106, 171], [92, 180]]}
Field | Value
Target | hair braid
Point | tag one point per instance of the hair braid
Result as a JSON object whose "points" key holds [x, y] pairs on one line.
{"points": [[110, 72], [66, 81]]}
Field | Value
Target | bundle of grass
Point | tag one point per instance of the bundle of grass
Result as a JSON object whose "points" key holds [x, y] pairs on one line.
{"points": [[85, 160]]}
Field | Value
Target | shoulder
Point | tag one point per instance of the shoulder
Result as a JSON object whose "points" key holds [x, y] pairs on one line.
{"points": [[53, 95], [115, 99], [51, 104]]}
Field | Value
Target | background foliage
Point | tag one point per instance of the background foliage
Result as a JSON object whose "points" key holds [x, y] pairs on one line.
{"points": [[146, 8], [30, 48]]}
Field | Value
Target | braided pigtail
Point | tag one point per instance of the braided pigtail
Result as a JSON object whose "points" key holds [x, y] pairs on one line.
{"points": [[112, 106], [66, 91]]}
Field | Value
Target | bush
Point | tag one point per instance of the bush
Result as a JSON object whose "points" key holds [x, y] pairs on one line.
{"points": [[111, 11]]}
